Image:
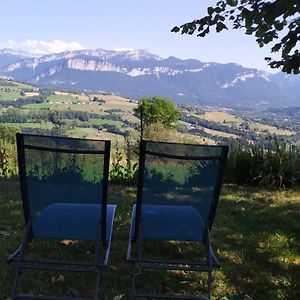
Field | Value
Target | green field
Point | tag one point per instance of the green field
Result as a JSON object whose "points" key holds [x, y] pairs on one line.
{"points": [[25, 86], [221, 117], [45, 125], [220, 133], [270, 129], [108, 122], [60, 98], [93, 133], [44, 105], [10, 90], [229, 119], [230, 125], [14, 85], [255, 236], [12, 95]]}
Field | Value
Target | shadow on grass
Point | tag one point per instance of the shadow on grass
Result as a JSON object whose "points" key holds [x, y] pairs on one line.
{"points": [[255, 237]]}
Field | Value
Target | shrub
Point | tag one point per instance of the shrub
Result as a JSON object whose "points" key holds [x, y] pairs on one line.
{"points": [[275, 166], [124, 170], [8, 152]]}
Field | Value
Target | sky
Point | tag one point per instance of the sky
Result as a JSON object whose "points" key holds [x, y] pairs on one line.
{"points": [[47, 26]]}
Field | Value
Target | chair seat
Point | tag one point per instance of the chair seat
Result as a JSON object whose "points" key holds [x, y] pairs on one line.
{"points": [[170, 222], [72, 221]]}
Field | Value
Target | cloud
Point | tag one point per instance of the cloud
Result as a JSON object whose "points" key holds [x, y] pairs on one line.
{"points": [[42, 47]]}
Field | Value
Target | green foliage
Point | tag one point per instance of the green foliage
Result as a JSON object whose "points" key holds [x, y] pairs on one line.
{"points": [[158, 132], [124, 170], [275, 21], [278, 166], [8, 152], [175, 172], [158, 109], [8, 160]]}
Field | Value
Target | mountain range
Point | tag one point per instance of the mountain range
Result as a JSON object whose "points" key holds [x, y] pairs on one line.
{"points": [[139, 73]]}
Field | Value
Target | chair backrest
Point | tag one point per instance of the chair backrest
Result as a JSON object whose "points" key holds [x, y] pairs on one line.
{"points": [[180, 174], [62, 170]]}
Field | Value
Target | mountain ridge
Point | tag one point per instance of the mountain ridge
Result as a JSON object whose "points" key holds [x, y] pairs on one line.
{"points": [[138, 73]]}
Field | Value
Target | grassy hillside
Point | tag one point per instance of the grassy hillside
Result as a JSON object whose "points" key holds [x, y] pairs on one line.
{"points": [[256, 231], [234, 121], [255, 236], [102, 115]]}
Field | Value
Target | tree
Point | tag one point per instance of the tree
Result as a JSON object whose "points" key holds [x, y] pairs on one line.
{"points": [[158, 109], [273, 21]]}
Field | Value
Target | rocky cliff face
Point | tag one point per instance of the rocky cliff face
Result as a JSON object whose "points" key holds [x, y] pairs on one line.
{"points": [[138, 73], [93, 65]]}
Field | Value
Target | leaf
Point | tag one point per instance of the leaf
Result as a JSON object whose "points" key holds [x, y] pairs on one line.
{"points": [[220, 26], [218, 10], [210, 10], [175, 29], [276, 47], [279, 26], [204, 32], [232, 2]]}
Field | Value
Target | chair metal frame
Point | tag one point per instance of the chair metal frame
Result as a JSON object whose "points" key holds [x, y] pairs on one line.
{"points": [[134, 251], [102, 243]]}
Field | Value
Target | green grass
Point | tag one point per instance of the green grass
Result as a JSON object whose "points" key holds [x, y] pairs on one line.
{"points": [[14, 90], [21, 85], [83, 132], [43, 105], [255, 236], [103, 122], [14, 85], [14, 94], [31, 125], [220, 116], [261, 128], [60, 98]]}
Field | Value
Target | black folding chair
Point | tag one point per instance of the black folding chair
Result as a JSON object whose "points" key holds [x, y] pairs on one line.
{"points": [[64, 195], [178, 191]]}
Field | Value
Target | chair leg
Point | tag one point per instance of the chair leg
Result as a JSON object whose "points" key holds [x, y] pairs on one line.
{"points": [[14, 254], [209, 263], [133, 275], [209, 284], [21, 255], [99, 277], [99, 268], [137, 250]]}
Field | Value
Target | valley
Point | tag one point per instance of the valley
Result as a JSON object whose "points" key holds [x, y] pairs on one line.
{"points": [[109, 116]]}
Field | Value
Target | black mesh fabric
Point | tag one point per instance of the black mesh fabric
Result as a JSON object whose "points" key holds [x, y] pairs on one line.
{"points": [[61, 171], [180, 175], [63, 143]]}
